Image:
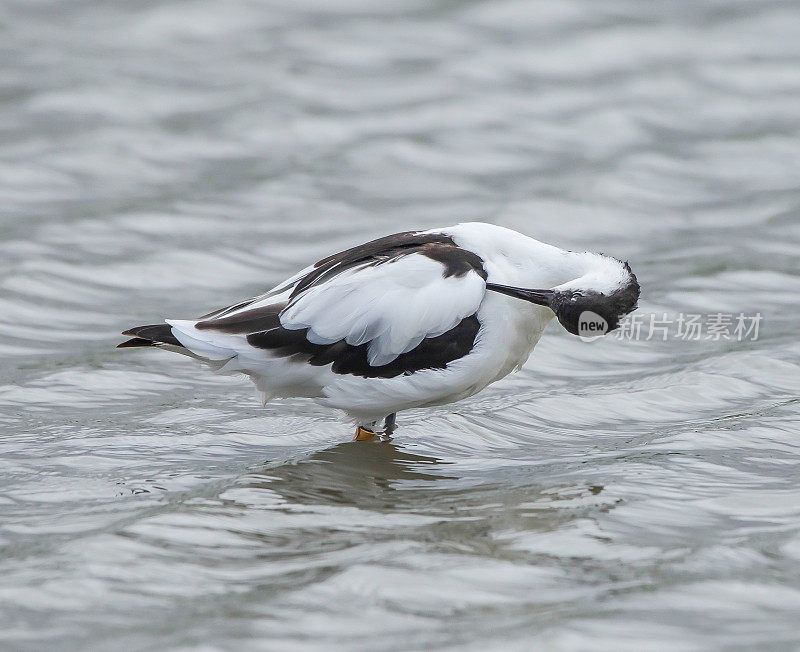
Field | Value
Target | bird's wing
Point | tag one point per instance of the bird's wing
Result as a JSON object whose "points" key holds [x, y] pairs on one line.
{"points": [[391, 303], [389, 294]]}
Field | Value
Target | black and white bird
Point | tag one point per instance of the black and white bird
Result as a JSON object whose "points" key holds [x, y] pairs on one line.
{"points": [[409, 320]]}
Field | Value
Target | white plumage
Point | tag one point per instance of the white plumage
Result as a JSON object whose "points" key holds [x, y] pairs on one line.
{"points": [[410, 320], [393, 307]]}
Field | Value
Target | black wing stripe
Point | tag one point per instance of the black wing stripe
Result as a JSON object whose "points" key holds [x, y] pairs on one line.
{"points": [[432, 353], [436, 246]]}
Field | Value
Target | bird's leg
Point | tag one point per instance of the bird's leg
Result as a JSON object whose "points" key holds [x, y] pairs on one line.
{"points": [[364, 433], [389, 425]]}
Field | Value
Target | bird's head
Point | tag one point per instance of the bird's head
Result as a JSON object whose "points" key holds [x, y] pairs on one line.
{"points": [[591, 305], [577, 310]]}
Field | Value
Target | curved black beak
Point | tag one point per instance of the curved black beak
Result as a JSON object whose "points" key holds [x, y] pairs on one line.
{"points": [[540, 297]]}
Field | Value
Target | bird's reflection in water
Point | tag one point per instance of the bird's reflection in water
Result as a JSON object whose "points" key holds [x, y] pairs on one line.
{"points": [[361, 474]]}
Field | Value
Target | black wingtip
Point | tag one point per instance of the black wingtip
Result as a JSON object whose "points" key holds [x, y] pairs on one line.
{"points": [[149, 335], [136, 341]]}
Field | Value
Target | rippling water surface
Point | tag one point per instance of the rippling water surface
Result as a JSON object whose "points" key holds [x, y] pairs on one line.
{"points": [[166, 158]]}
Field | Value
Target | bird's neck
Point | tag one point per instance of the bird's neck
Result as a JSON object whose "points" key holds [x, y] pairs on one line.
{"points": [[512, 258]]}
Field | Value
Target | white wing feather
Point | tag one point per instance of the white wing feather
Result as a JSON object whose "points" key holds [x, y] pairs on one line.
{"points": [[393, 305]]}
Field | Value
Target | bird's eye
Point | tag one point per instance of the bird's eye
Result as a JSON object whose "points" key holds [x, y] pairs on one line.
{"points": [[575, 296]]}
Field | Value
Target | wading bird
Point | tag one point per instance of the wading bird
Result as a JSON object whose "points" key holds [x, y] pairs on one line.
{"points": [[409, 320]]}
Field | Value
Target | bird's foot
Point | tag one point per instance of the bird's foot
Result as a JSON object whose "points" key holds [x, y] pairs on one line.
{"points": [[364, 434], [368, 434]]}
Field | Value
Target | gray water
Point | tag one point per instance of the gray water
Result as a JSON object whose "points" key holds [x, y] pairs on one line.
{"points": [[167, 158]]}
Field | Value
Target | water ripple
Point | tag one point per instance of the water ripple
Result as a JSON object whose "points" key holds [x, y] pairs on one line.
{"points": [[168, 158]]}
